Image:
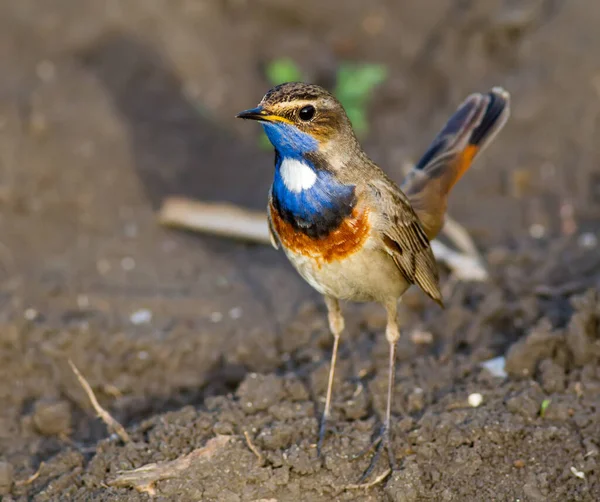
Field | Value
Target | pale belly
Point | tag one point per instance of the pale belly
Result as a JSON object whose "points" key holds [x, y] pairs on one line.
{"points": [[367, 275]]}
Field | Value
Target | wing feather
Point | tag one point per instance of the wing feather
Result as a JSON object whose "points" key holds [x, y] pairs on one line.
{"points": [[404, 238]]}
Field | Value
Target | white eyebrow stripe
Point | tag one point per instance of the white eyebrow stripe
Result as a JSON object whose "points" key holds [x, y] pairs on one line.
{"points": [[297, 175], [297, 103]]}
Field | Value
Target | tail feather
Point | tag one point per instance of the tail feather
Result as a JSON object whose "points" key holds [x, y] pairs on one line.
{"points": [[466, 134], [494, 118]]}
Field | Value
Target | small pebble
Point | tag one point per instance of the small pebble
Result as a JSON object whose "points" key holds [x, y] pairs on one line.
{"points": [[235, 313], [475, 399], [537, 231], [142, 316], [216, 317], [128, 263], [421, 337], [30, 314], [577, 473], [52, 417]]}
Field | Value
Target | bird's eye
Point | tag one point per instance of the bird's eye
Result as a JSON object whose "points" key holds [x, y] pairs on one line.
{"points": [[306, 113]]}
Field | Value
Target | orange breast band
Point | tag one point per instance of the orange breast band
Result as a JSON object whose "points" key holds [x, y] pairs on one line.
{"points": [[345, 240]]}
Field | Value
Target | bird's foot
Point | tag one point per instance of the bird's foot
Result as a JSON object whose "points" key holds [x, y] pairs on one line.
{"points": [[381, 441], [322, 434], [322, 431]]}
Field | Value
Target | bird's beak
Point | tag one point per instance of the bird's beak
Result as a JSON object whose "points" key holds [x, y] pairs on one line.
{"points": [[255, 114], [262, 115]]}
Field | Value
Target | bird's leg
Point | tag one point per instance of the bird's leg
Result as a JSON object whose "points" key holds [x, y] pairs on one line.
{"points": [[336, 325], [392, 334]]}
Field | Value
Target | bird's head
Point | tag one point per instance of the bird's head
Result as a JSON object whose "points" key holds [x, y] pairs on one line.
{"points": [[302, 118]]}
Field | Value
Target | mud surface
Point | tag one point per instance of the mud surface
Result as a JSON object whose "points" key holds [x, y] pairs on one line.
{"points": [[190, 342]]}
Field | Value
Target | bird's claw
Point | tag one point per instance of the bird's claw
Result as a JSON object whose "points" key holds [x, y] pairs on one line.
{"points": [[381, 441], [322, 431], [323, 428]]}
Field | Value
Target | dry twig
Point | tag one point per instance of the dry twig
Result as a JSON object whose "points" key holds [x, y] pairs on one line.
{"points": [[106, 417], [225, 220], [465, 267], [144, 478], [370, 484], [254, 449], [459, 236], [32, 478], [231, 221]]}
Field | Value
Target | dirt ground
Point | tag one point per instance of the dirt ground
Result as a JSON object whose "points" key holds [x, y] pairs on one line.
{"points": [[191, 341]]}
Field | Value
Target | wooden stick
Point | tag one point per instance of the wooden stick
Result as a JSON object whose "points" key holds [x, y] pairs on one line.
{"points": [[231, 221], [144, 478], [465, 267], [460, 237], [106, 417], [371, 484], [225, 220], [254, 449], [32, 478]]}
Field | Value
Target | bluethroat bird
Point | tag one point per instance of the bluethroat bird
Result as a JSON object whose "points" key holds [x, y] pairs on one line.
{"points": [[346, 227]]}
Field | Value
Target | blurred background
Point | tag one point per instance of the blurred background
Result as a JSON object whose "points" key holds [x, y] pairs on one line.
{"points": [[107, 107]]}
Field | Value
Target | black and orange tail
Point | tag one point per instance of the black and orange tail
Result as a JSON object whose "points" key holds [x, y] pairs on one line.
{"points": [[470, 129]]}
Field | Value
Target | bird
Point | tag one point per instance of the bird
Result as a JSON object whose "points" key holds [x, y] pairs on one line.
{"points": [[345, 226]]}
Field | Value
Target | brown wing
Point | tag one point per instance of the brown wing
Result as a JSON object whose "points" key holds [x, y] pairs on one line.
{"points": [[404, 238]]}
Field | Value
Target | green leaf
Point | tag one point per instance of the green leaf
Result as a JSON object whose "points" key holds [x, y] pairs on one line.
{"points": [[283, 70], [358, 117], [355, 83], [544, 407]]}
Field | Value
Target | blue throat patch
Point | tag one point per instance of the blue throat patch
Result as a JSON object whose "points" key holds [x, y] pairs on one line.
{"points": [[288, 140], [318, 210]]}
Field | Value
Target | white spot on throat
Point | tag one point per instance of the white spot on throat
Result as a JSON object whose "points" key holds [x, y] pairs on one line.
{"points": [[297, 175]]}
